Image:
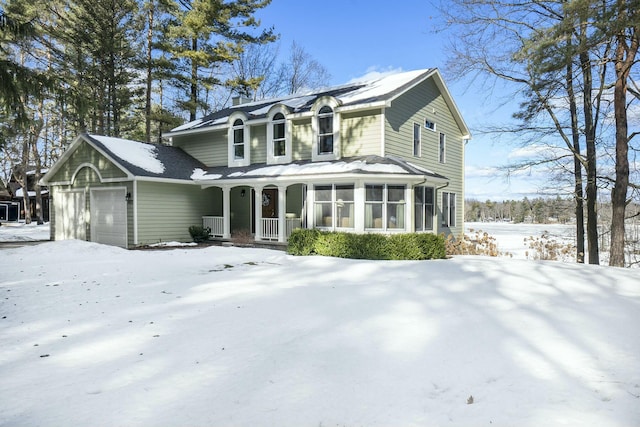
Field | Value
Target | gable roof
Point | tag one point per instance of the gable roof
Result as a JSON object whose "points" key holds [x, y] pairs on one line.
{"points": [[135, 159], [377, 92]]}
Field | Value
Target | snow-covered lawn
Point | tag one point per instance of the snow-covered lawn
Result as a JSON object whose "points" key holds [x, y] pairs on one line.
{"points": [[19, 231], [513, 239], [222, 336]]}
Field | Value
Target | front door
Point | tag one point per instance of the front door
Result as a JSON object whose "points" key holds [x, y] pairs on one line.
{"points": [[270, 203]]}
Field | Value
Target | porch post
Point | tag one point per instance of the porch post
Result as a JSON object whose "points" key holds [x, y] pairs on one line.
{"points": [[359, 206], [310, 207], [258, 212], [226, 213], [282, 207]]}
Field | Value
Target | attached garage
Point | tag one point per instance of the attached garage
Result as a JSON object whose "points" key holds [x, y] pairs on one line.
{"points": [[109, 216], [125, 193], [69, 208]]}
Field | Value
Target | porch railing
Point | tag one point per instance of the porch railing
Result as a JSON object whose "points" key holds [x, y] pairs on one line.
{"points": [[270, 227], [215, 223]]}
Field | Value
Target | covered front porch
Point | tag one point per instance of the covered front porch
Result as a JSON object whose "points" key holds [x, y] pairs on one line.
{"points": [[360, 195], [268, 213]]}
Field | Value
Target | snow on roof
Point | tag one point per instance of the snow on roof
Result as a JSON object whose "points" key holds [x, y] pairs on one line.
{"points": [[136, 153], [188, 125], [305, 169], [374, 87], [380, 86], [199, 174], [20, 193]]}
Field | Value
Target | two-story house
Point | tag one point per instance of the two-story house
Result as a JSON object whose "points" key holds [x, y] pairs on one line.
{"points": [[384, 155]]}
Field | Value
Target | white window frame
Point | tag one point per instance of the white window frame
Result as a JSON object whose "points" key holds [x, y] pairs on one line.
{"points": [[417, 144], [421, 207], [272, 158], [442, 148], [336, 204], [385, 203], [335, 154], [246, 138], [429, 124], [448, 209]]}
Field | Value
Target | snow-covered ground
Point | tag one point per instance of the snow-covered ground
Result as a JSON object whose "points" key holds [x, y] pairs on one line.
{"points": [[224, 336], [19, 231], [513, 239]]}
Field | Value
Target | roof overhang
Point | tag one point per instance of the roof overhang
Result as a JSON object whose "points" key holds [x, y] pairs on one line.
{"points": [[322, 179]]}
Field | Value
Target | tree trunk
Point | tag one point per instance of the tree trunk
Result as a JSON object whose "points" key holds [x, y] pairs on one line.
{"points": [[624, 58], [147, 103], [194, 82], [590, 135], [577, 166]]}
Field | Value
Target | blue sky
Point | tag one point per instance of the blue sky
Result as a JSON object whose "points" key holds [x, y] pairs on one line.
{"points": [[353, 37]]}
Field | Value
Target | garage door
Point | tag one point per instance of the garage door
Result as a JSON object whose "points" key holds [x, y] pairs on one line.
{"points": [[109, 216], [69, 208]]}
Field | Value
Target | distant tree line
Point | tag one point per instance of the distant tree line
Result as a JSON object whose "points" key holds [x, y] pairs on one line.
{"points": [[539, 210]]}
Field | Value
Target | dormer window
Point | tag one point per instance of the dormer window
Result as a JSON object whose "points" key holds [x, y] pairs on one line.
{"points": [[325, 130], [279, 140], [238, 140], [325, 126], [278, 137]]}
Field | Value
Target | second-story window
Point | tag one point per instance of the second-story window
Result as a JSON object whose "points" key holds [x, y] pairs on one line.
{"points": [[325, 130], [238, 139], [416, 139], [279, 140], [442, 157]]}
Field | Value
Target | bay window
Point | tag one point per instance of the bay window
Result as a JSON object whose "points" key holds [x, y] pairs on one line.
{"points": [[384, 206], [334, 206]]}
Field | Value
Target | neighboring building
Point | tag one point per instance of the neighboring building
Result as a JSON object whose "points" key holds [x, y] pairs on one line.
{"points": [[385, 155], [12, 206], [8, 208]]}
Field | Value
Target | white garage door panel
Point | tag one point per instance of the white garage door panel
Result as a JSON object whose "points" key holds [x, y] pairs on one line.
{"points": [[109, 217], [69, 211]]}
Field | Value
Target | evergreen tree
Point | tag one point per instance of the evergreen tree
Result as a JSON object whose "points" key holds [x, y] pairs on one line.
{"points": [[206, 35]]}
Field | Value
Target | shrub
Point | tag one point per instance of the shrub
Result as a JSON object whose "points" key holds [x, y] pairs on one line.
{"points": [[199, 233], [480, 243], [547, 248], [366, 246], [302, 241]]}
